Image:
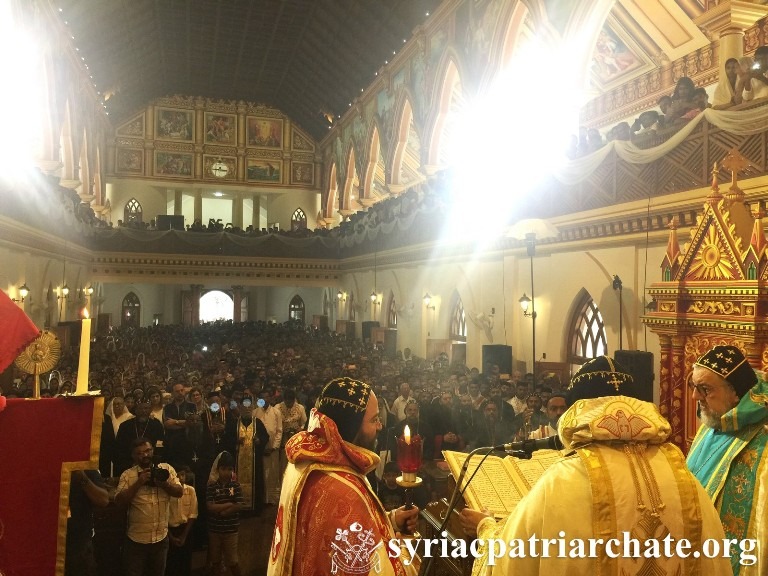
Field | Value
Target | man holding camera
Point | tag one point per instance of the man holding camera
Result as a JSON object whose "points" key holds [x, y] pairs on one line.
{"points": [[146, 489]]}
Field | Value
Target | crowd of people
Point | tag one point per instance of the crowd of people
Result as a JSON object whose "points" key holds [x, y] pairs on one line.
{"points": [[744, 79], [186, 395], [203, 425]]}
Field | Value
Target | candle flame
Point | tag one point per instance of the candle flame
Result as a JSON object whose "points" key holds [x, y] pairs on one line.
{"points": [[407, 434], [85, 313]]}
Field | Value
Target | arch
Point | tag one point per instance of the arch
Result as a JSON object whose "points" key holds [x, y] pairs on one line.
{"points": [[458, 328], [133, 212], [392, 311], [374, 179], [351, 183], [216, 305], [513, 33], [450, 91], [131, 311], [586, 337], [406, 158], [67, 153], [296, 310], [298, 220], [84, 165], [369, 170], [333, 191]]}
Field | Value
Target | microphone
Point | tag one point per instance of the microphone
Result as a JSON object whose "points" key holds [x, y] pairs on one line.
{"points": [[528, 446]]}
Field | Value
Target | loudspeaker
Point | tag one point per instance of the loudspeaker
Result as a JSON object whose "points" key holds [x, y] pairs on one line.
{"points": [[498, 354], [169, 222], [367, 329], [640, 365]]}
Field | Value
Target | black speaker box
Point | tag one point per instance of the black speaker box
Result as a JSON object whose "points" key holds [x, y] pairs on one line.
{"points": [[640, 365], [498, 354], [169, 222]]}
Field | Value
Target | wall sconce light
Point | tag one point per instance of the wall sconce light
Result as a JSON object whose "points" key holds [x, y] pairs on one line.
{"points": [[23, 292], [427, 301], [525, 303], [88, 290], [64, 293], [340, 296]]}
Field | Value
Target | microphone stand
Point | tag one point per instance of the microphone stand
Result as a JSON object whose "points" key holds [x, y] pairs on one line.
{"points": [[458, 491]]}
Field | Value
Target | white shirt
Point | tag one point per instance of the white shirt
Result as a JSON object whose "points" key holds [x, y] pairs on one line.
{"points": [[148, 511], [517, 405], [273, 422], [398, 407], [184, 508]]}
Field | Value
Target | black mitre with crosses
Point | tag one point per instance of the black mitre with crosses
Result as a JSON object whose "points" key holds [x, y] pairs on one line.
{"points": [[731, 365], [601, 376], [344, 401]]}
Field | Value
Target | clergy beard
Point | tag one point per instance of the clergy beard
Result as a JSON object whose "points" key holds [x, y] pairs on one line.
{"points": [[367, 443], [709, 418]]}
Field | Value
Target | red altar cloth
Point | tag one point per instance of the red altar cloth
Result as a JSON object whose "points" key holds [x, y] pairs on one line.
{"points": [[41, 442]]}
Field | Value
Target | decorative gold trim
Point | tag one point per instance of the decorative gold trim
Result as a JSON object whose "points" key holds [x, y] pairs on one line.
{"points": [[603, 505], [92, 463], [689, 505]]}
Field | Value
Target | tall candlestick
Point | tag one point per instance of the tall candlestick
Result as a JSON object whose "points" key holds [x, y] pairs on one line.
{"points": [[85, 355]]}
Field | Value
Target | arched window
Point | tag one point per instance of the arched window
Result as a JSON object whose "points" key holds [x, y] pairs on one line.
{"points": [[458, 322], [587, 333], [296, 309], [131, 315], [299, 220], [132, 212], [392, 312]]}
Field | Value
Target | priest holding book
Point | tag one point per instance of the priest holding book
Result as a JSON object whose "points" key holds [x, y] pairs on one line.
{"points": [[621, 479]]}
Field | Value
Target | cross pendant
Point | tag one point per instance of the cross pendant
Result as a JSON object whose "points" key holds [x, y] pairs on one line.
{"points": [[194, 457]]}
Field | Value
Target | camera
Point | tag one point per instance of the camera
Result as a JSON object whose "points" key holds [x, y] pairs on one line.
{"points": [[157, 474]]}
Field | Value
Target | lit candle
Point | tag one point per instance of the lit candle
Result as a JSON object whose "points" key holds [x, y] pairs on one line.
{"points": [[409, 454], [85, 354]]}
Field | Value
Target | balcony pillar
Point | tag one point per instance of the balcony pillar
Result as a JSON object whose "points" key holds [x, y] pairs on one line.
{"points": [[728, 21]]}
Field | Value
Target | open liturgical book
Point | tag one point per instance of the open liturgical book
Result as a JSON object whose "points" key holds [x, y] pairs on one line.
{"points": [[501, 482]]}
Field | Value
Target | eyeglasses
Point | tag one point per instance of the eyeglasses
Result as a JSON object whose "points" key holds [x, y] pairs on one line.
{"points": [[702, 389]]}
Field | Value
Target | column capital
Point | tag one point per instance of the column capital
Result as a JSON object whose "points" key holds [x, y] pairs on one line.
{"points": [[731, 16]]}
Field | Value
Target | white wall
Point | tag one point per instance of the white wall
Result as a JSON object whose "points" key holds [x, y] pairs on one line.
{"points": [[162, 299]]}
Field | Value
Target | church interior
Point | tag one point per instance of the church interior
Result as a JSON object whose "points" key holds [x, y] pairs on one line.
{"points": [[466, 179]]}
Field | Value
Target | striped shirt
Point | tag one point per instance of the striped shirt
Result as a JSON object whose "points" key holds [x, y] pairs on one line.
{"points": [[219, 493]]}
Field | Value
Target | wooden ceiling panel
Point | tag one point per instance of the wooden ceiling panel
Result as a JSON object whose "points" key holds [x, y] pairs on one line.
{"points": [[302, 56]]}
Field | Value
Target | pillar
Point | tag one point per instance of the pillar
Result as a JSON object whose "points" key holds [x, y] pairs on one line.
{"points": [[259, 202], [177, 203], [237, 299], [196, 292], [198, 215], [727, 21], [677, 393], [237, 212]]}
